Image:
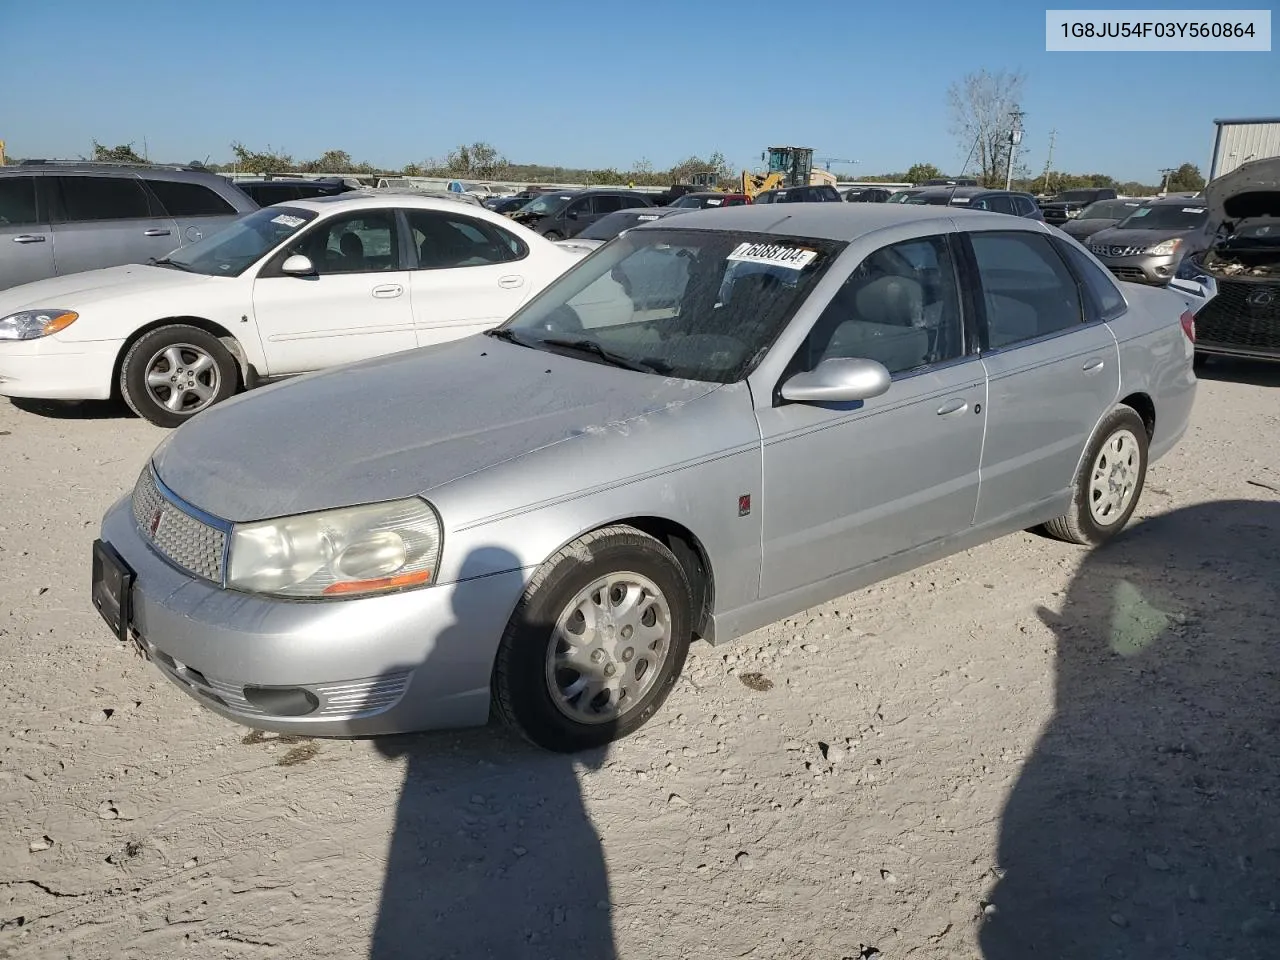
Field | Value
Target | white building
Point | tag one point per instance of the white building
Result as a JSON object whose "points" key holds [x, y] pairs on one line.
{"points": [[1239, 141]]}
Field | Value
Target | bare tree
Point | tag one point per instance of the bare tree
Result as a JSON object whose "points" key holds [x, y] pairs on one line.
{"points": [[982, 104]]}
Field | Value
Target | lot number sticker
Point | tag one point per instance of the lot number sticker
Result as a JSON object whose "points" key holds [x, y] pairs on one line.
{"points": [[285, 220], [776, 255]]}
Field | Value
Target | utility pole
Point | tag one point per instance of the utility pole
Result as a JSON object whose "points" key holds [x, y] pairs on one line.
{"points": [[1166, 172], [1015, 138], [1048, 163]]}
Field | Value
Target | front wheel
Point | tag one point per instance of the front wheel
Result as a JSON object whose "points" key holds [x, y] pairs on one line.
{"points": [[596, 643], [172, 373], [1109, 482]]}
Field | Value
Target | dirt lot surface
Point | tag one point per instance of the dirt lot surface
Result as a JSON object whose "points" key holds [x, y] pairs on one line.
{"points": [[1026, 750]]}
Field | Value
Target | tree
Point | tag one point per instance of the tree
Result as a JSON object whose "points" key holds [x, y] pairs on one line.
{"points": [[253, 161], [1185, 179], [123, 153], [331, 161], [478, 161], [920, 172], [982, 105]]}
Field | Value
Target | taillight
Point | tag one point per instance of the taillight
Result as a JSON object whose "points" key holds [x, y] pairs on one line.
{"points": [[1189, 325]]}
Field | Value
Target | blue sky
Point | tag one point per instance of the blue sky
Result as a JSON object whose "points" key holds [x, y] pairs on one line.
{"points": [[394, 82]]}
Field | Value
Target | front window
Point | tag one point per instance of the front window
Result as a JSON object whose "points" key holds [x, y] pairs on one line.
{"points": [[700, 305], [1166, 216], [1109, 209], [229, 252]]}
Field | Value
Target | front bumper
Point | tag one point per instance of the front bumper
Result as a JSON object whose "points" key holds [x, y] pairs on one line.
{"points": [[398, 663], [1243, 320], [53, 369], [1143, 268]]}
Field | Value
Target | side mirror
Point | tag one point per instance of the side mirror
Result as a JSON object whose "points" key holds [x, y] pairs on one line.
{"points": [[571, 215], [838, 380], [297, 266]]}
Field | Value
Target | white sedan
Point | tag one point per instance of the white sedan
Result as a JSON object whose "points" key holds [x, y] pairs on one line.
{"points": [[288, 289]]}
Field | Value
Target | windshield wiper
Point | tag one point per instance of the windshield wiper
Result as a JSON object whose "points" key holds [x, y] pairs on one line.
{"points": [[602, 353], [166, 262], [510, 336]]}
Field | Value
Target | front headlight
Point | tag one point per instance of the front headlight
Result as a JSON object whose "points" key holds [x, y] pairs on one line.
{"points": [[376, 548], [1164, 249], [33, 324]]}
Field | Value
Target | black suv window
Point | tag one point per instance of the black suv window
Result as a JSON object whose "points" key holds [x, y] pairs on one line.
{"points": [[445, 241], [629, 202], [1107, 301], [608, 203], [183, 199], [1025, 206], [101, 198], [17, 201], [1000, 203], [1027, 290]]}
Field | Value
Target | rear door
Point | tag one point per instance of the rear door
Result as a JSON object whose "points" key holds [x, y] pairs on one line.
{"points": [[26, 240], [466, 275], [197, 209], [1052, 370], [106, 220]]}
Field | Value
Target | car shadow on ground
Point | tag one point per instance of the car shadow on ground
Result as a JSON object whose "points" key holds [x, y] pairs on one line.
{"points": [[1255, 373], [1145, 824], [493, 853], [74, 409]]}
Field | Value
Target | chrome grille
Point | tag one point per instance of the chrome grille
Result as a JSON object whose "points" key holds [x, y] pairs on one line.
{"points": [[1103, 250], [181, 538]]}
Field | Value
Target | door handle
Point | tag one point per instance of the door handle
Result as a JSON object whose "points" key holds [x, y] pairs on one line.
{"points": [[1094, 365], [28, 238], [155, 232], [953, 406], [388, 290], [510, 283]]}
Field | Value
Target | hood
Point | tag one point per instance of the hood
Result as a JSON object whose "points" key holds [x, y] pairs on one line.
{"points": [[93, 286], [1080, 229], [398, 425], [1114, 236], [1250, 190]]}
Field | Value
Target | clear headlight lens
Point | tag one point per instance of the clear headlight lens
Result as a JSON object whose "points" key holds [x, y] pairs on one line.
{"points": [[33, 324], [376, 548], [1164, 249]]}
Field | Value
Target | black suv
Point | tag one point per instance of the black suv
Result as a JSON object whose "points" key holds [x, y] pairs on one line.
{"points": [[61, 217], [563, 214], [1058, 210], [283, 189], [814, 193]]}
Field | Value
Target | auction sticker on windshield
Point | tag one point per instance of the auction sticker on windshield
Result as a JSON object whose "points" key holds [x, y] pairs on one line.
{"points": [[774, 254], [285, 220]]}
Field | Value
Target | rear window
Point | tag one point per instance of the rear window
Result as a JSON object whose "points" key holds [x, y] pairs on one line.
{"points": [[101, 198], [181, 199]]}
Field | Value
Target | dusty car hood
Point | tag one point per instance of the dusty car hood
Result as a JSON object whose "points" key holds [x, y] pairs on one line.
{"points": [[78, 289], [1114, 236], [1233, 196], [398, 425]]}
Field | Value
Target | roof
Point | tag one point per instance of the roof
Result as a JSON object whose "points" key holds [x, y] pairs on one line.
{"points": [[376, 199], [830, 221], [1245, 121]]}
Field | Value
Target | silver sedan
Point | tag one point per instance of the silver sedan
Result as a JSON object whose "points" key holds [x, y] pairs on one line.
{"points": [[711, 423]]}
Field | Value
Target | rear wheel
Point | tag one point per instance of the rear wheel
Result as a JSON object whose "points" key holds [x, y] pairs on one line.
{"points": [[172, 373], [1109, 482], [596, 643]]}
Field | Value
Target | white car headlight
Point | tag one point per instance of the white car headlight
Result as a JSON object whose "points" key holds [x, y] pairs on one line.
{"points": [[375, 548], [1164, 249], [33, 324]]}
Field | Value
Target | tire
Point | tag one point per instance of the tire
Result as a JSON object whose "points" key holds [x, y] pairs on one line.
{"points": [[553, 235], [215, 381], [1118, 453], [534, 697]]}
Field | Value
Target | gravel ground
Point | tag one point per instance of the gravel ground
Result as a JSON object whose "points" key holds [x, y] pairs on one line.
{"points": [[1025, 750]]}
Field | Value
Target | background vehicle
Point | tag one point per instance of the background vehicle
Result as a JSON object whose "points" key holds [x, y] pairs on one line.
{"points": [[1068, 204], [1098, 216], [950, 182], [610, 225], [867, 194], [904, 196], [1148, 245], [698, 201], [979, 198], [506, 204], [559, 216], [58, 218], [822, 193], [284, 290], [284, 189]]}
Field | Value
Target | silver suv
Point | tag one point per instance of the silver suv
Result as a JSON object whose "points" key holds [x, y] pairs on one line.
{"points": [[65, 217]]}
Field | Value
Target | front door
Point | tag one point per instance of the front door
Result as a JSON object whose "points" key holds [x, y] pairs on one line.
{"points": [[106, 221], [355, 305], [469, 274], [844, 487], [26, 242], [1052, 372]]}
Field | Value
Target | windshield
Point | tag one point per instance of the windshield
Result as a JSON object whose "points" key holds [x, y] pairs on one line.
{"points": [[696, 304], [699, 200], [1110, 209], [903, 196], [229, 252], [608, 227], [1166, 216], [546, 204]]}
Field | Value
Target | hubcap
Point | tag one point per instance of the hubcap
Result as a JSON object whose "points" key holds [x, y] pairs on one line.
{"points": [[608, 648], [1114, 478], [183, 378]]}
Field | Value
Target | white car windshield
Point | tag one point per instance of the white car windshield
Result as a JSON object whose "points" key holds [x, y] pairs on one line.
{"points": [[230, 251], [696, 304]]}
